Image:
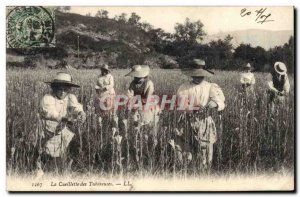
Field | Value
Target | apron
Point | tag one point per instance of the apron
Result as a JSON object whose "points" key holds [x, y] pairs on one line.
{"points": [[57, 145]]}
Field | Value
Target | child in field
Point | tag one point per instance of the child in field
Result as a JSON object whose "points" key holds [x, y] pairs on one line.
{"points": [[57, 109], [199, 93], [248, 80]]}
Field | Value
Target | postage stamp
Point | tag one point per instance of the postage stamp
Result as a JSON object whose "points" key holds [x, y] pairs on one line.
{"points": [[30, 27]]}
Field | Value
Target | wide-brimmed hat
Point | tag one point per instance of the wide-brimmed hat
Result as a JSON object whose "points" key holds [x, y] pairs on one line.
{"points": [[198, 69], [199, 62], [197, 72], [63, 78], [105, 67], [248, 66], [280, 68], [139, 71]]}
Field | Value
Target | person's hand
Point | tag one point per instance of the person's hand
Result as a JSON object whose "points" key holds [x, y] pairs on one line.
{"points": [[81, 117], [202, 108], [212, 104], [65, 119], [280, 93]]}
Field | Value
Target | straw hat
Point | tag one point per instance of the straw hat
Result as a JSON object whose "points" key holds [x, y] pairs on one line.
{"points": [[63, 78], [248, 66], [280, 68], [198, 70], [105, 67], [139, 71], [199, 62]]}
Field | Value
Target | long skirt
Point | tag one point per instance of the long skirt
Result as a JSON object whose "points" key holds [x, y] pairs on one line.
{"points": [[198, 138]]}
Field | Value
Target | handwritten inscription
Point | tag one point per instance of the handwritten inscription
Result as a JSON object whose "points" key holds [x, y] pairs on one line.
{"points": [[261, 15]]}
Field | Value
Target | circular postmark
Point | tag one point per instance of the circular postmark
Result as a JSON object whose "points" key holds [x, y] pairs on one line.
{"points": [[29, 27]]}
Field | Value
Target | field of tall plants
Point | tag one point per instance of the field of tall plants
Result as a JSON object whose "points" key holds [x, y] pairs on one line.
{"points": [[250, 139]]}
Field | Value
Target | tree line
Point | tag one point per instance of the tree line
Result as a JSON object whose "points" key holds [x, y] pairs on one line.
{"points": [[186, 43], [171, 50]]}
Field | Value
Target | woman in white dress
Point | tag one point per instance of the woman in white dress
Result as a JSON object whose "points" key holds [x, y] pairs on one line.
{"points": [[104, 99], [248, 80], [195, 97]]}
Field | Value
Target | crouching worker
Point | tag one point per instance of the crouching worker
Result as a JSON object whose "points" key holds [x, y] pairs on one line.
{"points": [[145, 118], [195, 98], [57, 110], [278, 84]]}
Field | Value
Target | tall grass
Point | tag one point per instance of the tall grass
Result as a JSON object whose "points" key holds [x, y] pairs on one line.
{"points": [[250, 138]]}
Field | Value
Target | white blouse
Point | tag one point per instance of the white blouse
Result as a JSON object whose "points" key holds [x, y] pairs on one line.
{"points": [[247, 78], [53, 109], [202, 93], [107, 82]]}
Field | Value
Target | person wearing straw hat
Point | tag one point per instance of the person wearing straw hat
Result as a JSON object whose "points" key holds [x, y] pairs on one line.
{"points": [[105, 92], [144, 119], [57, 109], [142, 86], [278, 83], [248, 80], [196, 98]]}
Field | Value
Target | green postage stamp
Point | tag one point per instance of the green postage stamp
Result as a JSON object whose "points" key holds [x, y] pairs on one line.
{"points": [[30, 27]]}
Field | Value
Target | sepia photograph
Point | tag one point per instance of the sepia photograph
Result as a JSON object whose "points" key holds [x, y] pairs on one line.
{"points": [[150, 98]]}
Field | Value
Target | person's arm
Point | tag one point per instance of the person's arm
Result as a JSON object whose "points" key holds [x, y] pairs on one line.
{"points": [[270, 84], [253, 79], [77, 108], [130, 92], [217, 98], [242, 79], [111, 83], [149, 88], [48, 110], [287, 86]]}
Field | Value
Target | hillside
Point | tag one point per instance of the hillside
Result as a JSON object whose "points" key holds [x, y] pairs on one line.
{"points": [[89, 42], [256, 37], [97, 41]]}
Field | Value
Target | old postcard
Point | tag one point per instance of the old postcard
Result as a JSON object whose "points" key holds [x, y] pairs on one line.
{"points": [[150, 98]]}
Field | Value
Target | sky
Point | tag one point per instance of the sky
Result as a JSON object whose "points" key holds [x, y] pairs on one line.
{"points": [[215, 19]]}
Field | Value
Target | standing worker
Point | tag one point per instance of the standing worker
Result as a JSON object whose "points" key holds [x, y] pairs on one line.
{"points": [[104, 100], [203, 95], [57, 109], [248, 80]]}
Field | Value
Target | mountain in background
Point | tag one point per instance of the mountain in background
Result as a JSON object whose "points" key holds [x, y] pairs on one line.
{"points": [[89, 42], [256, 37]]}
